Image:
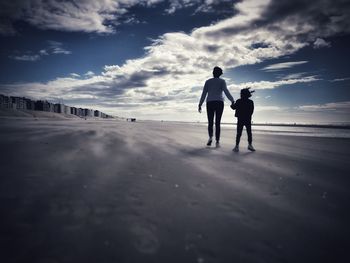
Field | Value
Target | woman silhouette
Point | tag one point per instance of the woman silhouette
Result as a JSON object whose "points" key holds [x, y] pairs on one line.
{"points": [[215, 103]]}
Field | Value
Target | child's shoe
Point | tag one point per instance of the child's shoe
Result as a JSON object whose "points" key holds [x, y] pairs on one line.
{"points": [[251, 148]]}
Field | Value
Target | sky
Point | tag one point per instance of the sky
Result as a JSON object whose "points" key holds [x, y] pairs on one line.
{"points": [[149, 59]]}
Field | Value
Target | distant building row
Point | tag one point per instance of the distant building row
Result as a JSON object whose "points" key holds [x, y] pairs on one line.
{"points": [[22, 103]]}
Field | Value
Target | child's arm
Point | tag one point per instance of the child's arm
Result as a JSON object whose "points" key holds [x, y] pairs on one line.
{"points": [[252, 108], [234, 105]]}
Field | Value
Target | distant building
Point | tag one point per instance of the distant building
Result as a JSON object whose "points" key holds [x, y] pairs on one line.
{"points": [[18, 103], [97, 113], [47, 106], [5, 102], [88, 113], [30, 104], [22, 103], [43, 105], [39, 105], [66, 109], [73, 111], [59, 108], [80, 112]]}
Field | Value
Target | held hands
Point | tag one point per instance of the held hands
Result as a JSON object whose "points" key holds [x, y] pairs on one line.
{"points": [[199, 108], [233, 106]]}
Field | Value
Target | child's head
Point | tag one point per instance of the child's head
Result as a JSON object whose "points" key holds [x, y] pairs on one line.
{"points": [[246, 93]]}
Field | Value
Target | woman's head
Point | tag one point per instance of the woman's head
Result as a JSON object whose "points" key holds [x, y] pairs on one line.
{"points": [[217, 72]]}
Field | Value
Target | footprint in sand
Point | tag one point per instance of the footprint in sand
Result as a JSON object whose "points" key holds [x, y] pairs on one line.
{"points": [[145, 241]]}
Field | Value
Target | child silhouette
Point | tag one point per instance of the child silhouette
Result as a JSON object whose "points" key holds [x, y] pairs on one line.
{"points": [[244, 110]]}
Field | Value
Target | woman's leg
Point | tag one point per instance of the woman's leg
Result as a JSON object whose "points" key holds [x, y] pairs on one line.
{"points": [[218, 114], [210, 115]]}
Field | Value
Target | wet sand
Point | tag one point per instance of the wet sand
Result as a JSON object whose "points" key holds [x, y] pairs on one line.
{"points": [[113, 191]]}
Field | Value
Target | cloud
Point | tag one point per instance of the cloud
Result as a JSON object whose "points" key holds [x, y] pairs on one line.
{"points": [[264, 84], [74, 75], [53, 48], [26, 57], [43, 52], [321, 43], [343, 106], [340, 79], [282, 66], [294, 75], [268, 108], [88, 16], [201, 6], [89, 74]]}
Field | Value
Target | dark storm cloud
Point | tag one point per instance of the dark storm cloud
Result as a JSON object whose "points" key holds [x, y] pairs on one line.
{"points": [[325, 16], [118, 85], [90, 15]]}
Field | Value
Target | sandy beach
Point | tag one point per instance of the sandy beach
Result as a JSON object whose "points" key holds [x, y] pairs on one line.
{"points": [[116, 191]]}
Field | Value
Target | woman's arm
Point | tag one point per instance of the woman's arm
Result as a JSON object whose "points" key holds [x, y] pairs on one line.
{"points": [[227, 93], [204, 94]]}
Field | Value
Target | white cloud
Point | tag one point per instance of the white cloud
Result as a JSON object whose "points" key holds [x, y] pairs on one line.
{"points": [[26, 57], [56, 48], [321, 43], [294, 75], [43, 52], [268, 108], [264, 84], [283, 66], [201, 6], [89, 74], [75, 75], [340, 79], [53, 48], [343, 106]]}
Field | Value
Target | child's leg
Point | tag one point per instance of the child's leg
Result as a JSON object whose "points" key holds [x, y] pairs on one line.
{"points": [[239, 131], [248, 126]]}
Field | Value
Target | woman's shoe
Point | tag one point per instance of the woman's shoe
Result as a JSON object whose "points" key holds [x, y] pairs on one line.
{"points": [[209, 141], [236, 149]]}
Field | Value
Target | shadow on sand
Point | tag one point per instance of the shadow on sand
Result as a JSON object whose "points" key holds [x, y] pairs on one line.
{"points": [[209, 151]]}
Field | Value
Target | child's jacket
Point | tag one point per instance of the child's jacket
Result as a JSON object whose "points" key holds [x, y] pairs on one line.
{"points": [[244, 108]]}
